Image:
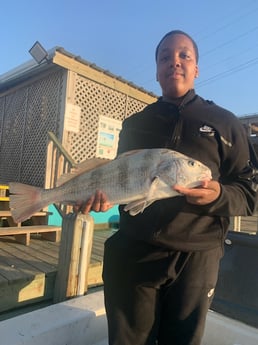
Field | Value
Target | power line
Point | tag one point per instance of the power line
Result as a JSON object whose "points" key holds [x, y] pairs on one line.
{"points": [[229, 58], [230, 41], [227, 73], [232, 21]]}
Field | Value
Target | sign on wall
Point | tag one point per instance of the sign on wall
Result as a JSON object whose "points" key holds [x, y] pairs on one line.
{"points": [[108, 136], [72, 118]]}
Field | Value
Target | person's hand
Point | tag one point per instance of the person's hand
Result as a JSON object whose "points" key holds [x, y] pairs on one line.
{"points": [[98, 202], [208, 192]]}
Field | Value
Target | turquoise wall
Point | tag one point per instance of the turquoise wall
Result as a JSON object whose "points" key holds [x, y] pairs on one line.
{"points": [[99, 217]]}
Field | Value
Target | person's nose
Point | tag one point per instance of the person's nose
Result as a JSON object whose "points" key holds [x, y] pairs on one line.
{"points": [[175, 61]]}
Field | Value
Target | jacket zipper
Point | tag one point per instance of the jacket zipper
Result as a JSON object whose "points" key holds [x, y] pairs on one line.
{"points": [[176, 135]]}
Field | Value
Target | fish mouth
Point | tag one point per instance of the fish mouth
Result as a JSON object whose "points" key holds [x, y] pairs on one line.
{"points": [[205, 177]]}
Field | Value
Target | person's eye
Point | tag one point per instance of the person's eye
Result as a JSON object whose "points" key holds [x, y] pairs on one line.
{"points": [[164, 58], [185, 56]]}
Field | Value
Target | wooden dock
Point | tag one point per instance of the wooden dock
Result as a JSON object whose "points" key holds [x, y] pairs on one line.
{"points": [[27, 273]]}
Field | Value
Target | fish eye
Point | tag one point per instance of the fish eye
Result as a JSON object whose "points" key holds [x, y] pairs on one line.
{"points": [[191, 163]]}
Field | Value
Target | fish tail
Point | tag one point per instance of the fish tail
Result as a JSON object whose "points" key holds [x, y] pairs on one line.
{"points": [[24, 200]]}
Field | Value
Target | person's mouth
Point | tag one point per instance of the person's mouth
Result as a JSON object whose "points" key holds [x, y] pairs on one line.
{"points": [[175, 74]]}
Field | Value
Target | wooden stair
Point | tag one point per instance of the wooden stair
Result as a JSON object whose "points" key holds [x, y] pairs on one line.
{"points": [[37, 224], [22, 234]]}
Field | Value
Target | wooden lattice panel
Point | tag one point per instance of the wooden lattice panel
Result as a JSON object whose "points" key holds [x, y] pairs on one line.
{"points": [[30, 112], [97, 100], [2, 102], [13, 131]]}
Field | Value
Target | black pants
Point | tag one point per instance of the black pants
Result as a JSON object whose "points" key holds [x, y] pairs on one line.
{"points": [[156, 296]]}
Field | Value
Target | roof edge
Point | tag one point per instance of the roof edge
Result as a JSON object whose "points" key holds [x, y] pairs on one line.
{"points": [[31, 67]]}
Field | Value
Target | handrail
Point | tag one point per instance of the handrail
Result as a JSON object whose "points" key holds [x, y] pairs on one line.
{"points": [[53, 138], [74, 256], [58, 162]]}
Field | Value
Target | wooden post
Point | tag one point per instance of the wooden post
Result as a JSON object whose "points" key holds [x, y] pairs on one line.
{"points": [[74, 256], [237, 223]]}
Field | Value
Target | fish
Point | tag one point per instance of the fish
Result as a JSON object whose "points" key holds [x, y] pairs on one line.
{"points": [[134, 179]]}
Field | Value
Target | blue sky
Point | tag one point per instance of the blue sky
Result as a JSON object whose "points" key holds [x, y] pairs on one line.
{"points": [[121, 36]]}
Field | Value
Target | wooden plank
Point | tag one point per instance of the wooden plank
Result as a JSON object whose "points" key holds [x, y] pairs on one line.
{"points": [[95, 257], [47, 247], [25, 281], [95, 275], [74, 256], [247, 224], [30, 280], [53, 236], [17, 269], [62, 278], [22, 234], [4, 268], [26, 292], [12, 230], [7, 213], [23, 238], [37, 260], [3, 280]]}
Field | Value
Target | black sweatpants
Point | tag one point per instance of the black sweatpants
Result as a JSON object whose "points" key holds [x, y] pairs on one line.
{"points": [[154, 295]]}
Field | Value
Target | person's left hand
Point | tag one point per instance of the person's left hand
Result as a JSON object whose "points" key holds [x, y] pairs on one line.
{"points": [[208, 192]]}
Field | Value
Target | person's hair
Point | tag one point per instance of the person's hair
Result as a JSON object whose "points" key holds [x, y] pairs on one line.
{"points": [[178, 32]]}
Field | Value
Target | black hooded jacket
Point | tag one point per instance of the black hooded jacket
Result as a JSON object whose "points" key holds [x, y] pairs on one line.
{"points": [[210, 134]]}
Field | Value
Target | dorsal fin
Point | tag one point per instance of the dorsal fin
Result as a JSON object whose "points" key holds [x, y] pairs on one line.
{"points": [[129, 153], [90, 164], [81, 168]]}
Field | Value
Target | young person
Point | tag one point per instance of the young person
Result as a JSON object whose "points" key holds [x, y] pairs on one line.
{"points": [[161, 266]]}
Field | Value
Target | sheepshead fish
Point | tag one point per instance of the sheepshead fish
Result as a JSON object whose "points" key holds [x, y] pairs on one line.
{"points": [[135, 179]]}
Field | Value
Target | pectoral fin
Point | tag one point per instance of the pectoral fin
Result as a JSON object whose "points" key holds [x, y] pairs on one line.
{"points": [[138, 206]]}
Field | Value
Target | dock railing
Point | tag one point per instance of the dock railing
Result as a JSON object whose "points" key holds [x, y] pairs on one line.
{"points": [[74, 256], [58, 162], [76, 234]]}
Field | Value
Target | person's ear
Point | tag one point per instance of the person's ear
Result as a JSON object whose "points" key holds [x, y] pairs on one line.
{"points": [[196, 72]]}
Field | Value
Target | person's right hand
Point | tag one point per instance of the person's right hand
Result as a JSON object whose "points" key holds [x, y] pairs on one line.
{"points": [[208, 192], [98, 202]]}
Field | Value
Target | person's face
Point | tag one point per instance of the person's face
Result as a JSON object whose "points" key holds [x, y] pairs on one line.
{"points": [[176, 66]]}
